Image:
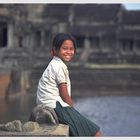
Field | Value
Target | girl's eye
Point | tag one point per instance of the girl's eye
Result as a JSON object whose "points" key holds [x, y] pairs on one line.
{"points": [[72, 49], [65, 48]]}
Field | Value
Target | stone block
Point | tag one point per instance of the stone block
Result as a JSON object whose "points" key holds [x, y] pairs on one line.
{"points": [[16, 128], [43, 114], [12, 126], [30, 126]]}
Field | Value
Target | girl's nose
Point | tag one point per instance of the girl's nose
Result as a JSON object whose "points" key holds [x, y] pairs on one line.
{"points": [[68, 51]]}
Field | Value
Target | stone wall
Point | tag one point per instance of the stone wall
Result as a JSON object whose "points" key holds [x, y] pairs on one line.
{"points": [[15, 69], [22, 73], [97, 81], [105, 81], [4, 83], [89, 81]]}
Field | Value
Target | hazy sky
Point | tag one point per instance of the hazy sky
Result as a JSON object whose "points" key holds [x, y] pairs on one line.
{"points": [[135, 6]]}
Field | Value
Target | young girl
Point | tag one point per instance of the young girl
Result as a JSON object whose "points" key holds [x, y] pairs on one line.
{"points": [[54, 88]]}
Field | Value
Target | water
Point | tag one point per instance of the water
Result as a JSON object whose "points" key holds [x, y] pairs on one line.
{"points": [[116, 116], [16, 108]]}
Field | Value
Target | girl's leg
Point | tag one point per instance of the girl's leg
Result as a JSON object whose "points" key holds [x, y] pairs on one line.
{"points": [[78, 124]]}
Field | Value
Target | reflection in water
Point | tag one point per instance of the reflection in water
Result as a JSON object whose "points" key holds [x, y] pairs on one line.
{"points": [[16, 108], [116, 115]]}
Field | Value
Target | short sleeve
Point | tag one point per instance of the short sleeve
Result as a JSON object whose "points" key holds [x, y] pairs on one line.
{"points": [[61, 76]]}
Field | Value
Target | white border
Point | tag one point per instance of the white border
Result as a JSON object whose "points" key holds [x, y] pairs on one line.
{"points": [[70, 138], [69, 2]]}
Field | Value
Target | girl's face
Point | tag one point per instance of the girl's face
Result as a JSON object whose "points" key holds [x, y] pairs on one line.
{"points": [[66, 51]]}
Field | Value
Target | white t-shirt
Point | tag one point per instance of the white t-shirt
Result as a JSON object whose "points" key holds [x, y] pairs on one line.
{"points": [[47, 90]]}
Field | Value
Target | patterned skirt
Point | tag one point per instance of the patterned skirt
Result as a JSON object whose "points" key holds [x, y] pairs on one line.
{"points": [[78, 124]]}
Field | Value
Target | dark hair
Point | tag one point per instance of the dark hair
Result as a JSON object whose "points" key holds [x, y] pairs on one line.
{"points": [[60, 38]]}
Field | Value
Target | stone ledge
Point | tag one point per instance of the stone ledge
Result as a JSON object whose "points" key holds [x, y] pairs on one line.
{"points": [[35, 129]]}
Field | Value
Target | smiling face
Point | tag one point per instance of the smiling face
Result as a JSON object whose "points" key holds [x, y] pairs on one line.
{"points": [[66, 51]]}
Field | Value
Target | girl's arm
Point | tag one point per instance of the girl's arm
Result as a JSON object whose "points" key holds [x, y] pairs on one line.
{"points": [[64, 94]]}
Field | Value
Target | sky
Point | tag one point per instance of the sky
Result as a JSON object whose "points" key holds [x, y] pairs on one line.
{"points": [[135, 6]]}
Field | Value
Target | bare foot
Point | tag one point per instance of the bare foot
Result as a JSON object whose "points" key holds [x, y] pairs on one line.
{"points": [[98, 134]]}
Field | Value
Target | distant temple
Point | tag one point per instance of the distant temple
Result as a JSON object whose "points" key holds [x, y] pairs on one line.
{"points": [[105, 33]]}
